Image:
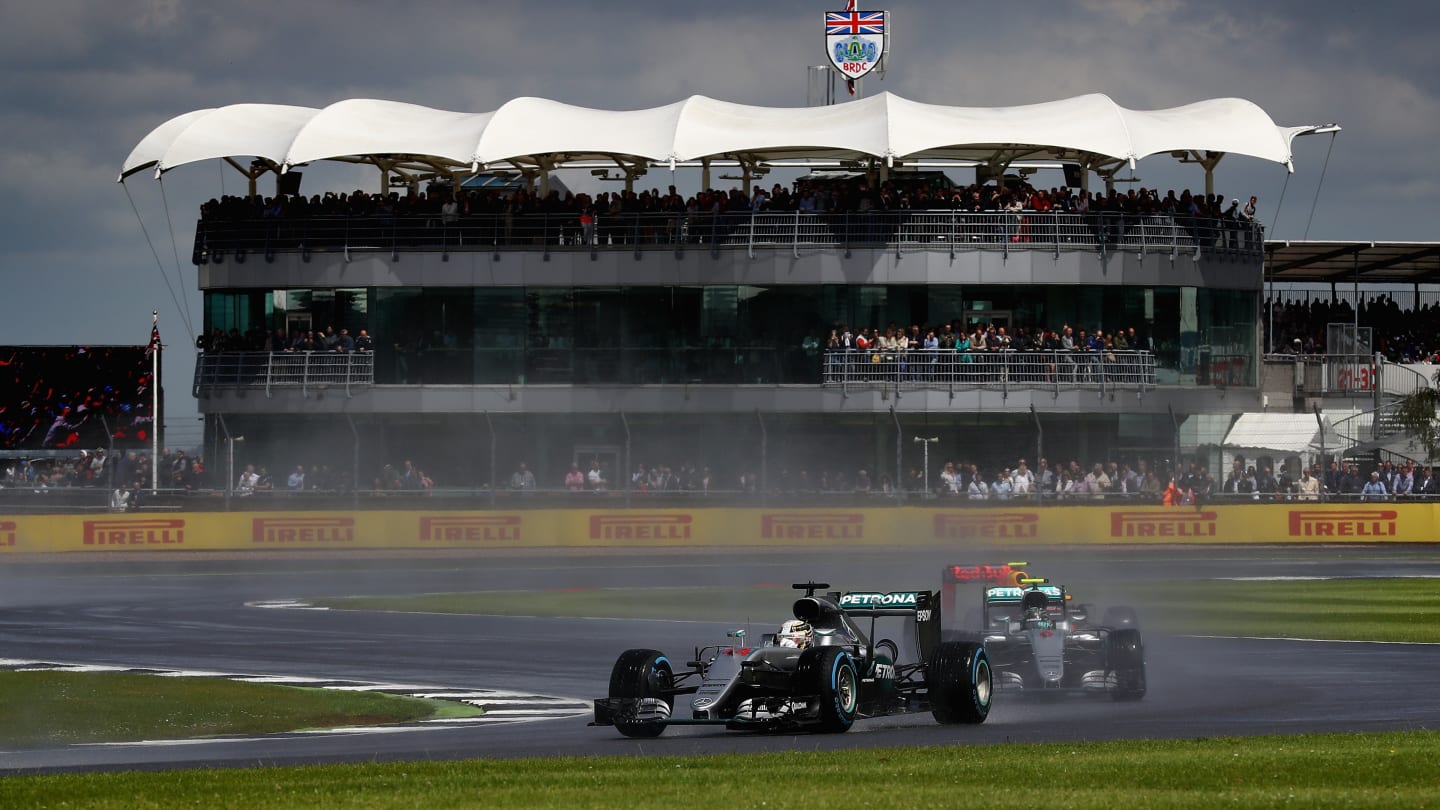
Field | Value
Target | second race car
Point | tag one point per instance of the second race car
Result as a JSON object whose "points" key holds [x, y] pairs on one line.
{"points": [[1037, 642]]}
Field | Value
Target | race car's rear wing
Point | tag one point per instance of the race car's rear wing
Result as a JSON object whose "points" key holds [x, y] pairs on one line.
{"points": [[960, 574], [923, 605]]}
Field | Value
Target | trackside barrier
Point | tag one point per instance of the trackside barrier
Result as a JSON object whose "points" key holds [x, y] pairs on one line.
{"points": [[822, 528]]}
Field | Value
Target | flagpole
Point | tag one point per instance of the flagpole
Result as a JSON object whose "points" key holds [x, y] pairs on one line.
{"points": [[155, 404]]}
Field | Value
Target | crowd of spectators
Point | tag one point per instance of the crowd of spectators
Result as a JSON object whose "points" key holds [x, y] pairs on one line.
{"points": [[127, 475], [945, 351], [256, 339], [996, 213], [955, 336], [1403, 335], [1139, 481], [447, 205]]}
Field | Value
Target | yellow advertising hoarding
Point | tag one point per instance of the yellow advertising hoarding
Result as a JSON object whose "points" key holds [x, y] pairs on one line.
{"points": [[989, 527]]}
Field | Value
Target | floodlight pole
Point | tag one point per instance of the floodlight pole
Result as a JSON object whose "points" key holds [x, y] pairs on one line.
{"points": [[925, 455]]}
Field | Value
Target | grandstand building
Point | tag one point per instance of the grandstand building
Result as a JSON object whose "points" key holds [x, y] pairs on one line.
{"points": [[700, 331]]}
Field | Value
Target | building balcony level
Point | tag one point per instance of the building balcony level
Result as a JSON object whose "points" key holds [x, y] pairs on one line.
{"points": [[841, 370], [218, 241]]}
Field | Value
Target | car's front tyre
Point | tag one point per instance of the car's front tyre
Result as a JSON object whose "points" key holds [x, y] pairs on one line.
{"points": [[643, 678], [830, 673]]}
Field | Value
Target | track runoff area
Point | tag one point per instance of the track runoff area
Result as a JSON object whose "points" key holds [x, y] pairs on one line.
{"points": [[258, 616]]}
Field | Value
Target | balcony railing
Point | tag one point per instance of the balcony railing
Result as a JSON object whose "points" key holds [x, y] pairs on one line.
{"points": [[238, 240], [907, 370], [270, 370], [1002, 370]]}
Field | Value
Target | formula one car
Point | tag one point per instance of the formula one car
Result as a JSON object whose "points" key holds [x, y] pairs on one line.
{"points": [[821, 672], [1037, 642]]}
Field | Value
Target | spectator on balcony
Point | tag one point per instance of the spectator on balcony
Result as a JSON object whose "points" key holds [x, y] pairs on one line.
{"points": [[1172, 495], [575, 479], [1001, 489], [595, 478], [978, 490], [862, 481], [1309, 486], [523, 479], [1045, 480], [344, 343], [363, 342], [248, 481], [1374, 489], [863, 341], [1266, 485], [1247, 222], [296, 482], [1022, 481], [1403, 484], [1425, 484], [409, 476], [1351, 483], [1072, 486], [1098, 482], [949, 480]]}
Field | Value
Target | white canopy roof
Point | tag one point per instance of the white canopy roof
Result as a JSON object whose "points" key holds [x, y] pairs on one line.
{"points": [[539, 131], [1296, 433]]}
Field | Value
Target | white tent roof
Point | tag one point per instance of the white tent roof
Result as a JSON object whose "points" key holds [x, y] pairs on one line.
{"points": [[539, 130], [1295, 433]]}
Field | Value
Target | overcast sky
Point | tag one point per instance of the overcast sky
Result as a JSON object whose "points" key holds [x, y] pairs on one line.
{"points": [[85, 80]]}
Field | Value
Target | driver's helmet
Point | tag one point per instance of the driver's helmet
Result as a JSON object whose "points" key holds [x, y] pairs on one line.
{"points": [[796, 634]]}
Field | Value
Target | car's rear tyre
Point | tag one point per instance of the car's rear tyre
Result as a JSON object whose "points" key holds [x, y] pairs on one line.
{"points": [[643, 675], [960, 683], [1125, 660], [1121, 616], [830, 673]]}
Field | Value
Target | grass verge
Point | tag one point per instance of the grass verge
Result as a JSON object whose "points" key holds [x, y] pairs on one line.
{"points": [[1358, 609], [1360, 770], [1353, 609], [60, 708], [696, 604]]}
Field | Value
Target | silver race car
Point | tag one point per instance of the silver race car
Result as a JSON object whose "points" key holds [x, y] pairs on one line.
{"points": [[1038, 643], [823, 670]]}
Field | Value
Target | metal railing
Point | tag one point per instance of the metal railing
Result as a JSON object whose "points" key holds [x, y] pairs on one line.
{"points": [[270, 370], [221, 240], [855, 369], [30, 499], [1004, 370], [1347, 375]]}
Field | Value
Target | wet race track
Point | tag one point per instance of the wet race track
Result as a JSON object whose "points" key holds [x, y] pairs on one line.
{"points": [[201, 614]]}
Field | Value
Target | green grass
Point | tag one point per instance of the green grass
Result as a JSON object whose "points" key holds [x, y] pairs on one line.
{"points": [[1356, 609], [760, 603], [59, 708], [1362, 770]]}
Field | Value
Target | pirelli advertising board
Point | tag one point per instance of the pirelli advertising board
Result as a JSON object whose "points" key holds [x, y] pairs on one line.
{"points": [[820, 528]]}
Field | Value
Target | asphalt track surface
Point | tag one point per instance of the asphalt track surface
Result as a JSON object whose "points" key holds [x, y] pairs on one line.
{"points": [[193, 613]]}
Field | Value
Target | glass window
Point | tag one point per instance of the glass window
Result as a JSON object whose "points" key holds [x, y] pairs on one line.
{"points": [[424, 337], [550, 338]]}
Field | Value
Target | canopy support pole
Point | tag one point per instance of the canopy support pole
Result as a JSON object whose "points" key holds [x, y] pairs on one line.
{"points": [[1208, 162]]}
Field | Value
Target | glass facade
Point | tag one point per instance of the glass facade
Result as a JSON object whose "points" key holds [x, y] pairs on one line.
{"points": [[730, 334]]}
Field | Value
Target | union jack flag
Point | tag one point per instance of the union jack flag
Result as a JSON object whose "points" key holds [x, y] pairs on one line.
{"points": [[854, 22], [154, 344]]}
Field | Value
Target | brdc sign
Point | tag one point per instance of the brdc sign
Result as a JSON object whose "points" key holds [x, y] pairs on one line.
{"points": [[855, 40]]}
